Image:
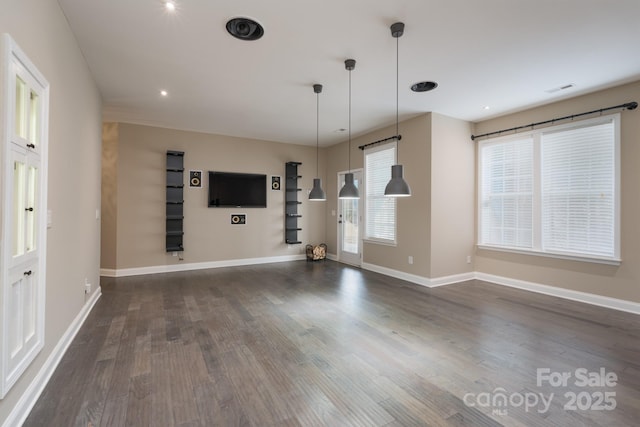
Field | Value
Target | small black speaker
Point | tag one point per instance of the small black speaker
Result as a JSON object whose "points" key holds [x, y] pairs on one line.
{"points": [[245, 28], [195, 178], [275, 183], [238, 219]]}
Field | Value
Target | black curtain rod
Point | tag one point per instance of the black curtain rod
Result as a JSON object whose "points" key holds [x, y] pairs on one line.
{"points": [[628, 106], [396, 137]]}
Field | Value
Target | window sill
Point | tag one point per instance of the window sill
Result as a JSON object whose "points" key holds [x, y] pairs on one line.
{"points": [[380, 242], [593, 260]]}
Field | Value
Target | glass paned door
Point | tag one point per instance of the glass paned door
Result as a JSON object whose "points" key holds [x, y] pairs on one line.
{"points": [[28, 110], [19, 193], [350, 224], [25, 209], [31, 209], [24, 195], [20, 108]]}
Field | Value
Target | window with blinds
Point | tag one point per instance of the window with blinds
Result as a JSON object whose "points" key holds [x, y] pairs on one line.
{"points": [[380, 211], [506, 216], [553, 191]]}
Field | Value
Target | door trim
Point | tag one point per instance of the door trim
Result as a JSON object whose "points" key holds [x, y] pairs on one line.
{"points": [[356, 260]]}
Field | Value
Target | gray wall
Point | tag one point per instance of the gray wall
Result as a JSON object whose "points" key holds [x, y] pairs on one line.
{"points": [[139, 202], [435, 225], [611, 281], [73, 245]]}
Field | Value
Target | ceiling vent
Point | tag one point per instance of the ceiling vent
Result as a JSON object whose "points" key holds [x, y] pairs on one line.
{"points": [[559, 88]]}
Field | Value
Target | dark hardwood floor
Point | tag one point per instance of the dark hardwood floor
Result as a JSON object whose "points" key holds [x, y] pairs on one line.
{"points": [[323, 344]]}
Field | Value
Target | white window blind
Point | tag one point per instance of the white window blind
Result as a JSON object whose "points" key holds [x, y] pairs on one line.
{"points": [[507, 194], [552, 191], [578, 190], [380, 211]]}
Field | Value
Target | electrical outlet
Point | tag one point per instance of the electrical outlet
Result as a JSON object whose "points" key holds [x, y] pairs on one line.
{"points": [[87, 286], [468, 259], [410, 259]]}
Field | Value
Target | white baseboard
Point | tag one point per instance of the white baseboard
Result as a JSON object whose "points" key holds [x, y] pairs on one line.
{"points": [[593, 299], [419, 280], [584, 297], [449, 280], [599, 300], [30, 396], [197, 266], [108, 272]]}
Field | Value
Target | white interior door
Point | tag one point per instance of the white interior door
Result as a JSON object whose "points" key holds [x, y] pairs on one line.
{"points": [[350, 223], [23, 165]]}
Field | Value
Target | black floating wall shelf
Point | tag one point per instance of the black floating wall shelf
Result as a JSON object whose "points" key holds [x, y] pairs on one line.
{"points": [[291, 203], [175, 201]]}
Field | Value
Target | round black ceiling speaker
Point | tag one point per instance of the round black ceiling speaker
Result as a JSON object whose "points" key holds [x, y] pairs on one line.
{"points": [[245, 29], [424, 86]]}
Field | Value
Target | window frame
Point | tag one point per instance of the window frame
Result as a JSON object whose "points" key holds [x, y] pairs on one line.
{"points": [[537, 244], [372, 239]]}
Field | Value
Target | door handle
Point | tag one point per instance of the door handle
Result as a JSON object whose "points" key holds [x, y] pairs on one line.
{"points": [[27, 273], [340, 222], [29, 209]]}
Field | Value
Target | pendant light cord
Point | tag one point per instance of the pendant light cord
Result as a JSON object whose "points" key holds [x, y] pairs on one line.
{"points": [[397, 96], [317, 132], [349, 154]]}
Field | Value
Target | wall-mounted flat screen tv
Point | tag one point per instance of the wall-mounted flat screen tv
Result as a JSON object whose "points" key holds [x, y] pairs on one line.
{"points": [[237, 190]]}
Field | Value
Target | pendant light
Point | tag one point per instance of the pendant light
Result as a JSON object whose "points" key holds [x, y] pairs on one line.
{"points": [[317, 193], [397, 186], [349, 190]]}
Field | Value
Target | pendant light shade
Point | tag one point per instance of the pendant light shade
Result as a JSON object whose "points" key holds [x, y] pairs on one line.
{"points": [[317, 193], [349, 189], [397, 186]]}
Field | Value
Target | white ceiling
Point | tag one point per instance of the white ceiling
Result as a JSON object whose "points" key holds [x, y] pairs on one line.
{"points": [[506, 54]]}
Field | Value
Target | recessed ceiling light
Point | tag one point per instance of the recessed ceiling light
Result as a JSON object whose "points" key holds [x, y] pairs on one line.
{"points": [[164, 93], [245, 29], [424, 86], [486, 107], [170, 6]]}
